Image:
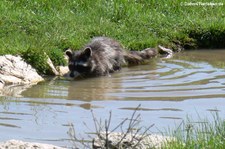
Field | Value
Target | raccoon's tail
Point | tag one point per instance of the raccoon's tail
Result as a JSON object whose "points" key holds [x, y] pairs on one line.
{"points": [[138, 57]]}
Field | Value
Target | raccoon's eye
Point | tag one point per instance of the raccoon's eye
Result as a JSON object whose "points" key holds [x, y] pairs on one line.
{"points": [[84, 59], [71, 67], [82, 69]]}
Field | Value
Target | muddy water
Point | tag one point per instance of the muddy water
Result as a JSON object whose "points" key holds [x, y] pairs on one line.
{"points": [[191, 83]]}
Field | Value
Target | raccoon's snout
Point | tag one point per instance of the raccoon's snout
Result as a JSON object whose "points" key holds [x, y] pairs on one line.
{"points": [[74, 74]]}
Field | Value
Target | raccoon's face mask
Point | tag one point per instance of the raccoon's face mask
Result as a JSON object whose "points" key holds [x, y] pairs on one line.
{"points": [[79, 63]]}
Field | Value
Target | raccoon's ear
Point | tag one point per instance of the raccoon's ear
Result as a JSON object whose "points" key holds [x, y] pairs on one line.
{"points": [[69, 53], [87, 52]]}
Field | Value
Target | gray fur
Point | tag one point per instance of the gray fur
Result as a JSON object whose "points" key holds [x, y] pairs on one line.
{"points": [[103, 56]]}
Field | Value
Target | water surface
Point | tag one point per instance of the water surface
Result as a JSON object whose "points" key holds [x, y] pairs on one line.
{"points": [[191, 83]]}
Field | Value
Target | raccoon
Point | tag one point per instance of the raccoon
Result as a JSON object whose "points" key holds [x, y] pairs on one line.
{"points": [[103, 56]]}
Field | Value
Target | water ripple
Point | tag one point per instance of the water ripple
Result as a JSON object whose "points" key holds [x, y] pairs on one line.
{"points": [[174, 79]]}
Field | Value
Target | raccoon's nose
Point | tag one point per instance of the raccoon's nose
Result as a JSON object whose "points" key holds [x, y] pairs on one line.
{"points": [[72, 75]]}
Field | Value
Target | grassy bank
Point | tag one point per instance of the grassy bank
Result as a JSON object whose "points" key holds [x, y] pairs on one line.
{"points": [[199, 135], [31, 27]]}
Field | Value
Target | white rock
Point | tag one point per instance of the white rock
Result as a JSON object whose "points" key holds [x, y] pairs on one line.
{"points": [[132, 141], [169, 52], [17, 144], [13, 70]]}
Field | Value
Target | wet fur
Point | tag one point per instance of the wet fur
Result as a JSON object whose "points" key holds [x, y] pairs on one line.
{"points": [[103, 56]]}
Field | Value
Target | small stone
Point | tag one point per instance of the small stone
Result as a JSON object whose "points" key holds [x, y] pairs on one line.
{"points": [[63, 70]]}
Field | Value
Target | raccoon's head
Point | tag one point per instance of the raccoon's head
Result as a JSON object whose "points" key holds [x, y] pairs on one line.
{"points": [[79, 62]]}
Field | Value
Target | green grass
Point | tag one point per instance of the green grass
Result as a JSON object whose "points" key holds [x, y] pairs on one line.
{"points": [[38, 26], [203, 134]]}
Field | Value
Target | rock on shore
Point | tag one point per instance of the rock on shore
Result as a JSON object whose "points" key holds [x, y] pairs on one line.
{"points": [[15, 72], [131, 141], [17, 144]]}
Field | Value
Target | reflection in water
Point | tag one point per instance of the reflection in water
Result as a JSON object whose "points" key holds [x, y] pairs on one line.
{"points": [[191, 83], [89, 89], [13, 90], [93, 89]]}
